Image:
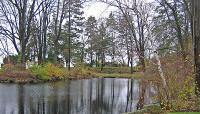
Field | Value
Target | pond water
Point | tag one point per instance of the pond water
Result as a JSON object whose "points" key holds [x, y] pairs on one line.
{"points": [[91, 96]]}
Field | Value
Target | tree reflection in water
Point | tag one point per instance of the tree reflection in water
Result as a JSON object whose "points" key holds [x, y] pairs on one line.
{"points": [[94, 96]]}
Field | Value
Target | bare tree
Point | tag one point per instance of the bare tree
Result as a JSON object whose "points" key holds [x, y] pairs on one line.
{"points": [[60, 13], [136, 13], [19, 15], [196, 37], [39, 27], [179, 15]]}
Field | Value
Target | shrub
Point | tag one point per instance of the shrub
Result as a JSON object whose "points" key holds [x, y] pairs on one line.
{"points": [[180, 82], [186, 97], [55, 71], [40, 72], [11, 67], [8, 67], [49, 71]]}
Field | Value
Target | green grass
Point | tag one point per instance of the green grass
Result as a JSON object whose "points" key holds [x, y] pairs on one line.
{"points": [[164, 113], [184, 113], [148, 109], [118, 75], [111, 70]]}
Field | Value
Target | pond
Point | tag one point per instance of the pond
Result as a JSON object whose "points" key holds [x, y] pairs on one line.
{"points": [[91, 96]]}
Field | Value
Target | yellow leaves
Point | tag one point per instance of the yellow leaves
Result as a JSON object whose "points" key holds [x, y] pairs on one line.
{"points": [[55, 71], [49, 71]]}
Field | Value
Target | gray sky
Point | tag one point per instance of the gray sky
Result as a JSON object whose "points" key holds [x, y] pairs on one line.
{"points": [[98, 10]]}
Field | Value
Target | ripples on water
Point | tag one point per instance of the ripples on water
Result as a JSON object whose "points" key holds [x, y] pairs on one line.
{"points": [[93, 96]]}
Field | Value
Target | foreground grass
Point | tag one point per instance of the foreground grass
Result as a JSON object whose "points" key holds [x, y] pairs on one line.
{"points": [[156, 109], [184, 113], [164, 113]]}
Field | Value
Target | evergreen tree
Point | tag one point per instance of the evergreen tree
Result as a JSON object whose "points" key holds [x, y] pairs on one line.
{"points": [[111, 30], [91, 33], [74, 27]]}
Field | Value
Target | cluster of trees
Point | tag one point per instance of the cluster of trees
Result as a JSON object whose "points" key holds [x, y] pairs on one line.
{"points": [[40, 29], [161, 26], [57, 31]]}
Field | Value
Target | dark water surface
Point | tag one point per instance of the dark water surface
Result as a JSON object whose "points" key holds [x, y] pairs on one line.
{"points": [[92, 96]]}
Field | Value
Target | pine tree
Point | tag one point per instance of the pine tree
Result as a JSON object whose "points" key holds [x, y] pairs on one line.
{"points": [[74, 28], [111, 26], [91, 33]]}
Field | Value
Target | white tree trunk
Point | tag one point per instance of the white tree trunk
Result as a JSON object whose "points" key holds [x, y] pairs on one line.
{"points": [[160, 70]]}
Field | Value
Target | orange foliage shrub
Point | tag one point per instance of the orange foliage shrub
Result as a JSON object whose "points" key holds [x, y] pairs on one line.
{"points": [[180, 82]]}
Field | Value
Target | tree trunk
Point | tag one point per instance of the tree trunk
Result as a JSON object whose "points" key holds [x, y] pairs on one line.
{"points": [[113, 55], [40, 43], [91, 59], [45, 27], [128, 59], [131, 59], [82, 55], [97, 60], [23, 56], [40, 59], [131, 65], [196, 37], [164, 82], [55, 56], [69, 39], [142, 60], [102, 60]]}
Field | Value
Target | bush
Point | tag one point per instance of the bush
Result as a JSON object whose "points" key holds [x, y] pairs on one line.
{"points": [[49, 71], [180, 82], [55, 70], [40, 72], [186, 97], [12, 68], [8, 67]]}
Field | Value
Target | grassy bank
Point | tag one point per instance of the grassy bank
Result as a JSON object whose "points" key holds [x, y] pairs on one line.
{"points": [[118, 75], [184, 113], [156, 109], [50, 72]]}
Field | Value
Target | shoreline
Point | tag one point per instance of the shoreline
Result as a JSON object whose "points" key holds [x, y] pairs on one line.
{"points": [[35, 79]]}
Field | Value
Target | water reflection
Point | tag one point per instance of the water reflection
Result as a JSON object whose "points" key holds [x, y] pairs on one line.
{"points": [[94, 96]]}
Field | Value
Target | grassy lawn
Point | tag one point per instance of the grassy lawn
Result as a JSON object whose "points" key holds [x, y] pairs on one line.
{"points": [[118, 75], [155, 109], [165, 113], [184, 113]]}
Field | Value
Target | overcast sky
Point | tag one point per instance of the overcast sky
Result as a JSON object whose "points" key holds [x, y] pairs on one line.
{"points": [[98, 10]]}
